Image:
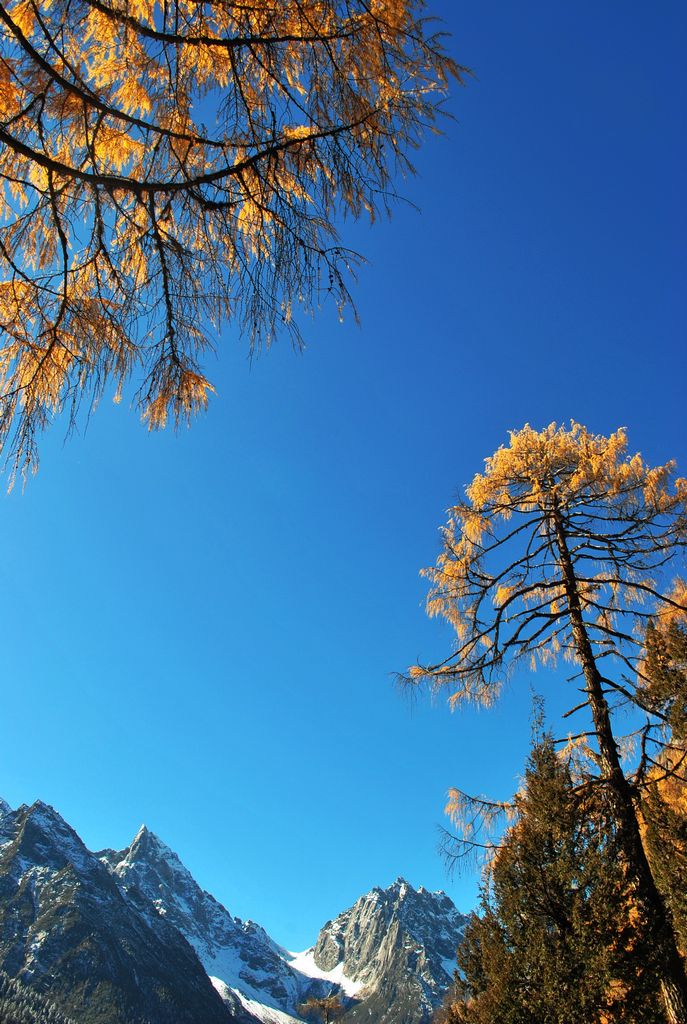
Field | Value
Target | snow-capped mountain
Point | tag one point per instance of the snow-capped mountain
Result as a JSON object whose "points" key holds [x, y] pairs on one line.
{"points": [[68, 930], [393, 951], [240, 954], [119, 930]]}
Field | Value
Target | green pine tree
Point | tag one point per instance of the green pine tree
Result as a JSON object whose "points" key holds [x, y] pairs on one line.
{"points": [[664, 778], [558, 938]]}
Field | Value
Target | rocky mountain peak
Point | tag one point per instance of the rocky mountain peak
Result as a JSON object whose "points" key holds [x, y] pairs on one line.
{"points": [[135, 930], [155, 870], [149, 863], [38, 835], [399, 944], [82, 935], [237, 954]]}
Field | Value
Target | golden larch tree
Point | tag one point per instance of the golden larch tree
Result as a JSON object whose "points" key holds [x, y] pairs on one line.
{"points": [[323, 1008], [170, 167], [559, 550]]}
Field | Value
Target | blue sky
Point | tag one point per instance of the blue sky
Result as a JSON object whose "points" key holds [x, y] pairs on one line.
{"points": [[200, 630]]}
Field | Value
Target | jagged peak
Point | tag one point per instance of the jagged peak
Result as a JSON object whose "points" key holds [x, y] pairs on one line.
{"points": [[145, 848], [4, 807], [399, 889], [150, 852], [402, 900], [48, 835], [45, 813], [40, 805], [150, 841], [403, 888]]}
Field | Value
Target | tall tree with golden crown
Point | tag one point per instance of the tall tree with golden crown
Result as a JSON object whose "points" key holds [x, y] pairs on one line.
{"points": [[559, 550], [170, 167]]}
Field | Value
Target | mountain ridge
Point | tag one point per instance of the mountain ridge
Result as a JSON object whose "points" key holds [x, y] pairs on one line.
{"points": [[387, 956], [68, 930]]}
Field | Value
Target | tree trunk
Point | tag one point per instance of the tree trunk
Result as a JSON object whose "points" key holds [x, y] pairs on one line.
{"points": [[672, 981]]}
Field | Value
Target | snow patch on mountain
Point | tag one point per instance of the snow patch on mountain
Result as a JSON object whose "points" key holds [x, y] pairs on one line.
{"points": [[305, 964], [258, 1011]]}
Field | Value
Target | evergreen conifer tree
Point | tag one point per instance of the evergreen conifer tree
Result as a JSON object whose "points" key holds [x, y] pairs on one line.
{"points": [[21, 1005], [556, 940], [664, 792]]}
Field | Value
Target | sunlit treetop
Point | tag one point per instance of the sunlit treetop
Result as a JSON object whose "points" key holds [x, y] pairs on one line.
{"points": [[169, 168], [570, 466], [561, 521], [547, 497]]}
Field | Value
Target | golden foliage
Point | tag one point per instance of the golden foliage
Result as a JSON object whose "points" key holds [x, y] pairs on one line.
{"points": [[562, 548], [169, 168], [499, 581]]}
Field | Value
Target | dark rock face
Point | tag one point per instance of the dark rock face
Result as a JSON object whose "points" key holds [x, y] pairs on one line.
{"points": [[400, 944], [67, 929]]}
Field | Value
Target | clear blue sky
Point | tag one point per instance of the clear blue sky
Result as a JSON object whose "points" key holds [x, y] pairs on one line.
{"points": [[199, 630]]}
